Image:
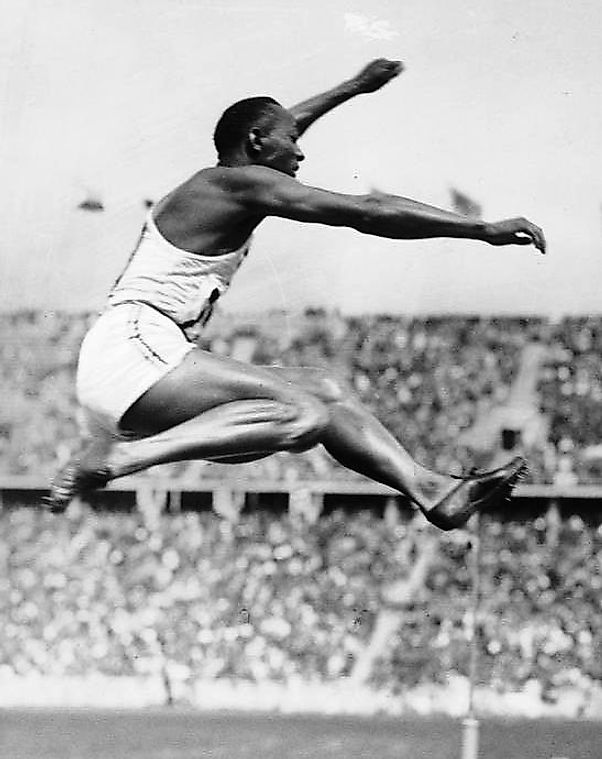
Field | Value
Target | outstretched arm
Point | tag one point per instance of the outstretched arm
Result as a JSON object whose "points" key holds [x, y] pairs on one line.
{"points": [[270, 193], [371, 78]]}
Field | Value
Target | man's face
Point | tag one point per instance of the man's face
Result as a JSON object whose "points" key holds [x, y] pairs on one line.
{"points": [[279, 149]]}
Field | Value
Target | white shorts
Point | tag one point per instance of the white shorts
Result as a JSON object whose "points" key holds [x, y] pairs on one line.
{"points": [[126, 352]]}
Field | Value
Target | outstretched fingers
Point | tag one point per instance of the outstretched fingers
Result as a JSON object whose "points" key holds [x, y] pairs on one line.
{"points": [[540, 240], [516, 232]]}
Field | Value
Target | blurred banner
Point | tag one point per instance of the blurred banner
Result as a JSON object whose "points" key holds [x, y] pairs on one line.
{"points": [[464, 204]]}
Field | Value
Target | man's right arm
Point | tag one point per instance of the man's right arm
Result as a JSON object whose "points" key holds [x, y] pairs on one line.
{"points": [[370, 79], [271, 193]]}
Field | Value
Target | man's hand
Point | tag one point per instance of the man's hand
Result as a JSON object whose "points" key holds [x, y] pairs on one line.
{"points": [[376, 74], [515, 232]]}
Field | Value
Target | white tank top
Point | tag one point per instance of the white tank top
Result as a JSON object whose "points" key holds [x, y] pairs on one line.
{"points": [[182, 285]]}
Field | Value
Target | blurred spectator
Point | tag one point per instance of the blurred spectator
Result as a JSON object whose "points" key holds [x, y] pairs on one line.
{"points": [[275, 598], [261, 596]]}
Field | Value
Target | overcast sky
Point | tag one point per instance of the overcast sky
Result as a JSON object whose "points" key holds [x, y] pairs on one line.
{"points": [[117, 99]]}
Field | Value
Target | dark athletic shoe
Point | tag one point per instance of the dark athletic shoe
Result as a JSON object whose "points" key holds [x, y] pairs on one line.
{"points": [[476, 492], [70, 481]]}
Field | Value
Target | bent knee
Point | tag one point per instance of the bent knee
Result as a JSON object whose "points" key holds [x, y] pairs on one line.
{"points": [[304, 430]]}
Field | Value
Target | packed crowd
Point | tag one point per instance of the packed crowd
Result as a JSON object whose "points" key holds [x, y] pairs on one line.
{"points": [[427, 380], [275, 598], [38, 351], [270, 597], [570, 393]]}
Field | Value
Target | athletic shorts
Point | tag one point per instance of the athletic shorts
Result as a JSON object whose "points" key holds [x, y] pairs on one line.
{"points": [[125, 353]]}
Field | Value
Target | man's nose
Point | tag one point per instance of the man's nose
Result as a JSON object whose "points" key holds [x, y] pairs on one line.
{"points": [[299, 155]]}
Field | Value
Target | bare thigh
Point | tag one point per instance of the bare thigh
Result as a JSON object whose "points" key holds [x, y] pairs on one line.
{"points": [[204, 381]]}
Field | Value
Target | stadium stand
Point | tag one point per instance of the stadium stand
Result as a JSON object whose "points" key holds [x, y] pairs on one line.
{"points": [[273, 598], [268, 595]]}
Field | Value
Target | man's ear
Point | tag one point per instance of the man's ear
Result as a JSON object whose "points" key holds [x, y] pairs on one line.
{"points": [[255, 141]]}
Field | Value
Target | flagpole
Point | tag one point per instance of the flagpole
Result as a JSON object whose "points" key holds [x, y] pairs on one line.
{"points": [[470, 724]]}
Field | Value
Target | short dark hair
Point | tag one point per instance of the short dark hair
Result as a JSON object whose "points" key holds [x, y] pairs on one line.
{"points": [[236, 122]]}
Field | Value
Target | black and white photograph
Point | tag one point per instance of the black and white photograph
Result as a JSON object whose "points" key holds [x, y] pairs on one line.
{"points": [[301, 350]]}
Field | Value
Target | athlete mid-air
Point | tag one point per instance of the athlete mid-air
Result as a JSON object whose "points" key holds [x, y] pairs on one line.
{"points": [[151, 396]]}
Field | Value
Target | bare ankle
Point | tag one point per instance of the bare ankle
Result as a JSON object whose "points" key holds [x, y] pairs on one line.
{"points": [[430, 487]]}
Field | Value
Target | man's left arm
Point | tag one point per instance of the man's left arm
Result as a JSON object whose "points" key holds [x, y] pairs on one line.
{"points": [[371, 78]]}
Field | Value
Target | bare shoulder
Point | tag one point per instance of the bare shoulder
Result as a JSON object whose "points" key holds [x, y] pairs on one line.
{"points": [[241, 178], [255, 190], [259, 191], [210, 211], [222, 186], [238, 185]]}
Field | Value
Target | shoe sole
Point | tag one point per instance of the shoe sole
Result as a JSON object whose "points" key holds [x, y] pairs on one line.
{"points": [[502, 491], [508, 484]]}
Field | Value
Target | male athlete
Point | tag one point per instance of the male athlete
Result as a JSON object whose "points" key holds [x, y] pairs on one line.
{"points": [[151, 396]]}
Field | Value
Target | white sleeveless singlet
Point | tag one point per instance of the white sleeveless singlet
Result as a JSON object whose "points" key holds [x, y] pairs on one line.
{"points": [[155, 310], [184, 286]]}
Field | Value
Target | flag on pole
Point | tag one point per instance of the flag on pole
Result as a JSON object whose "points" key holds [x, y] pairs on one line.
{"points": [[465, 205]]}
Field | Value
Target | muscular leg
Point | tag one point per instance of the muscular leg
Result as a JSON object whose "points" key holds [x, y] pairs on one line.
{"points": [[235, 432], [358, 441], [298, 408], [211, 406]]}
